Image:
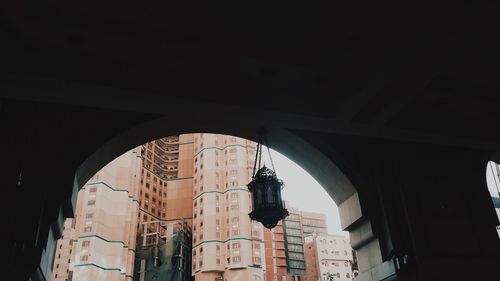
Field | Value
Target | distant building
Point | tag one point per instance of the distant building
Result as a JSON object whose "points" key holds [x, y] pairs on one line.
{"points": [[285, 251], [294, 244], [311, 260], [313, 223], [274, 241], [332, 255]]}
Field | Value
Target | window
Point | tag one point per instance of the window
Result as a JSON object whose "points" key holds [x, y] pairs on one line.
{"points": [[237, 259], [85, 244], [93, 189], [84, 258], [236, 245], [87, 229], [91, 202], [236, 232], [89, 215]]}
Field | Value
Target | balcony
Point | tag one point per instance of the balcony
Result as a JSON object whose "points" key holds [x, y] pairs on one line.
{"points": [[170, 159]]}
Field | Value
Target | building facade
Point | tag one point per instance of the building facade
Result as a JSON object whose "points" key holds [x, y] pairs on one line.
{"points": [[332, 255], [274, 242], [294, 244], [152, 182], [311, 260], [105, 222], [313, 223], [227, 245], [286, 257], [64, 251]]}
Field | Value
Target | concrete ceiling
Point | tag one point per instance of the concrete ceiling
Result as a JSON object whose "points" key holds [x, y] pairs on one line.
{"points": [[422, 72]]}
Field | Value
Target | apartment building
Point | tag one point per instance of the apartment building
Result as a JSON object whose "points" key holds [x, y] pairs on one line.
{"points": [[152, 182], [274, 242], [64, 250], [105, 220], [285, 250], [294, 244], [332, 255], [227, 245]]}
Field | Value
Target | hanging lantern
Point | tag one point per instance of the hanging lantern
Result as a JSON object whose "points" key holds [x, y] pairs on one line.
{"points": [[268, 207]]}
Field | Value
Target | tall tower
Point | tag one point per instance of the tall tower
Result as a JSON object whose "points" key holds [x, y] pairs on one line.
{"points": [[165, 214], [166, 180], [105, 220], [227, 245]]}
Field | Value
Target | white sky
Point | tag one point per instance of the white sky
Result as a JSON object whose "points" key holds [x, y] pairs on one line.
{"points": [[491, 179], [297, 181]]}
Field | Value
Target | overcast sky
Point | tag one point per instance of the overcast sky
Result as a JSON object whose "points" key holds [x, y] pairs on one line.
{"points": [[297, 181], [492, 180]]}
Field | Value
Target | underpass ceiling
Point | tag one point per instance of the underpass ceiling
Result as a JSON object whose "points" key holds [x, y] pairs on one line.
{"points": [[423, 69]]}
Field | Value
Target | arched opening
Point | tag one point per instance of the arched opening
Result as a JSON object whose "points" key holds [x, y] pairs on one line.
{"points": [[319, 166], [193, 144]]}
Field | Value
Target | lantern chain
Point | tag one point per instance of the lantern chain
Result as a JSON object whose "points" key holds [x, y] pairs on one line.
{"points": [[269, 152], [257, 156]]}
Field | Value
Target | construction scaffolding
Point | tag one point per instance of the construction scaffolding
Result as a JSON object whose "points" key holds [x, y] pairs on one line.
{"points": [[164, 253]]}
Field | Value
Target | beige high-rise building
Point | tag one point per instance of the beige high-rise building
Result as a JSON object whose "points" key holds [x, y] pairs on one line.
{"points": [[199, 179], [104, 228], [166, 180], [227, 245], [64, 250], [100, 242]]}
